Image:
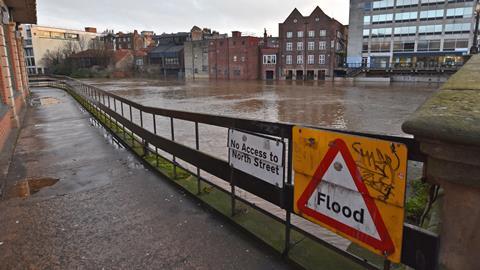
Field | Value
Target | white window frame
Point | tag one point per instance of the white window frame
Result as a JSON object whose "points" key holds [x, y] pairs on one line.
{"points": [[289, 46], [321, 59], [289, 34], [311, 33], [311, 46], [300, 46], [322, 45], [311, 59], [300, 59], [289, 59], [300, 34], [323, 33], [270, 59]]}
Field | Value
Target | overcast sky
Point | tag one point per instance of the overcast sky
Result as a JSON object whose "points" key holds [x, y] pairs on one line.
{"points": [[249, 16]]}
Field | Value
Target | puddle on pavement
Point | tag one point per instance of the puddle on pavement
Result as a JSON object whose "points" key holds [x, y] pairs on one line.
{"points": [[29, 187], [45, 101]]}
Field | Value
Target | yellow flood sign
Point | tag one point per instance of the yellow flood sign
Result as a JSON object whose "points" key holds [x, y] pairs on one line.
{"points": [[353, 186]]}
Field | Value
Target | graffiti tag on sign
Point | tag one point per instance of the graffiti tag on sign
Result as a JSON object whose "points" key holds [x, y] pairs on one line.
{"points": [[354, 186]]}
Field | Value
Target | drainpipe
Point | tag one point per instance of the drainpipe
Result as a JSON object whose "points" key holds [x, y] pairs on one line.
{"points": [[474, 49]]}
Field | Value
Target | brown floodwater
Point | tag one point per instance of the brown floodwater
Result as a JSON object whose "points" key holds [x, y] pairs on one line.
{"points": [[365, 107], [368, 107]]}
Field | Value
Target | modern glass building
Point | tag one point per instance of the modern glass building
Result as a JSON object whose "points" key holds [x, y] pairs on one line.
{"points": [[410, 33]]}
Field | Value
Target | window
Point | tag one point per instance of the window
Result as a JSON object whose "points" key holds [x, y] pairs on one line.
{"points": [[366, 33], [299, 59], [311, 45], [404, 46], [407, 3], [321, 59], [381, 32], [71, 36], [431, 2], [311, 33], [269, 59], [366, 20], [299, 46], [29, 51], [242, 58], [383, 4], [300, 34], [382, 46], [311, 59], [455, 44], [406, 16], [235, 58], [455, 13], [323, 33], [427, 15], [430, 29], [289, 34], [405, 31], [288, 59], [57, 35], [457, 28], [322, 45], [171, 61], [428, 45], [365, 47], [382, 18], [289, 46]]}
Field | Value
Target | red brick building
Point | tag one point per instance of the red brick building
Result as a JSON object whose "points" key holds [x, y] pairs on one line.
{"points": [[269, 55], [235, 58], [130, 41], [311, 47], [13, 74]]}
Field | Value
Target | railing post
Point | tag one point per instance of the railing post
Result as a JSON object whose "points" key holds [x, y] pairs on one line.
{"points": [[174, 158], [197, 146], [155, 132], [287, 188], [131, 117]]}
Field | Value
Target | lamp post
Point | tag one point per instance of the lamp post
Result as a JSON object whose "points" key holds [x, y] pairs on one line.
{"points": [[474, 49]]}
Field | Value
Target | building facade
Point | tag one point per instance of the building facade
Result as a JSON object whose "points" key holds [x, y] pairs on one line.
{"points": [[168, 55], [269, 53], [14, 79], [196, 52], [311, 47], [424, 34], [41, 40], [129, 41], [234, 58]]}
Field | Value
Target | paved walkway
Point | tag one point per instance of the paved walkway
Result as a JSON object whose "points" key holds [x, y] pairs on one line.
{"points": [[106, 211]]}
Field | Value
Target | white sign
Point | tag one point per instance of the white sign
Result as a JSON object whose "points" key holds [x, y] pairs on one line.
{"points": [[256, 155], [338, 197]]}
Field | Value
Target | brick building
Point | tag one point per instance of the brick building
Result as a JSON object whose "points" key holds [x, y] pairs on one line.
{"points": [[235, 58], [14, 81], [311, 47], [269, 54], [196, 52], [130, 41]]}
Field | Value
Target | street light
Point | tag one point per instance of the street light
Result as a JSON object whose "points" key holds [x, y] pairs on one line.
{"points": [[474, 49]]}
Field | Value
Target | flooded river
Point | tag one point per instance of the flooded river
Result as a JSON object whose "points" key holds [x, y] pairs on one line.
{"points": [[365, 107]]}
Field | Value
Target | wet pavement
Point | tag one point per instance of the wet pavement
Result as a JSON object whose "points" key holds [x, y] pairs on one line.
{"points": [[106, 211]]}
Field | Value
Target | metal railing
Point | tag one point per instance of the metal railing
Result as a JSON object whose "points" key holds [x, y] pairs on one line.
{"points": [[120, 111]]}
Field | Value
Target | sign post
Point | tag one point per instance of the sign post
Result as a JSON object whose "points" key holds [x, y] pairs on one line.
{"points": [[353, 186]]}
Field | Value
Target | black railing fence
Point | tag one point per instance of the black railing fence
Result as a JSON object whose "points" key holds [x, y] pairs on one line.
{"points": [[131, 117]]}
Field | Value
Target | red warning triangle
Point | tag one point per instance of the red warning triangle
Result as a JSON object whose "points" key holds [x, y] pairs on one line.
{"points": [[337, 197]]}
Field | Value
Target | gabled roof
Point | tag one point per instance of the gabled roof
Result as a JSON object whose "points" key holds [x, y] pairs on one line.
{"points": [[294, 15], [196, 29]]}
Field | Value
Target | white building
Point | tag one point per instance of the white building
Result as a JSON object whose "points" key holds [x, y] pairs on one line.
{"points": [[410, 33], [39, 40]]}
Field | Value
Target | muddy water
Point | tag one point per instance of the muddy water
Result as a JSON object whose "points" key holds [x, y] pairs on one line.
{"points": [[373, 108]]}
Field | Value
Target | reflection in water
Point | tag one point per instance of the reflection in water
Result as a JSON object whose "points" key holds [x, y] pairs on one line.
{"points": [[374, 108]]}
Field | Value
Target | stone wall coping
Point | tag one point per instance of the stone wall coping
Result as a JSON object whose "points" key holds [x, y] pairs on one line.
{"points": [[452, 115]]}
